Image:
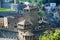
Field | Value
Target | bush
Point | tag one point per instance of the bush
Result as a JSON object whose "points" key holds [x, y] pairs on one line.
{"points": [[41, 13], [51, 35]]}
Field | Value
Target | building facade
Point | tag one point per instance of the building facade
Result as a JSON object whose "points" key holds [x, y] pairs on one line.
{"points": [[11, 4], [27, 23], [8, 22]]}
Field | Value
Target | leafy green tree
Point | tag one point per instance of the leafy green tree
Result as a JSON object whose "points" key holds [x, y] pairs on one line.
{"points": [[41, 13], [51, 35], [38, 1]]}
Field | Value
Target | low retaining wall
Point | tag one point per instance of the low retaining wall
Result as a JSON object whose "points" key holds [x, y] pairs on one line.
{"points": [[7, 39]]}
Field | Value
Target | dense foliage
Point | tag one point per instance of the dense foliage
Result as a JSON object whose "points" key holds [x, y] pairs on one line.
{"points": [[37, 1], [41, 13], [51, 35]]}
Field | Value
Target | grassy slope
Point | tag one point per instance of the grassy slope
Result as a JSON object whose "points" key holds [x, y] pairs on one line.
{"points": [[5, 10]]}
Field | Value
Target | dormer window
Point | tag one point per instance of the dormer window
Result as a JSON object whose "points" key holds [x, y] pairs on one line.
{"points": [[27, 10], [15, 26], [27, 25]]}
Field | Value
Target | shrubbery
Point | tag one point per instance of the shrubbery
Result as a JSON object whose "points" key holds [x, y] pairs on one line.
{"points": [[52, 35], [41, 13]]}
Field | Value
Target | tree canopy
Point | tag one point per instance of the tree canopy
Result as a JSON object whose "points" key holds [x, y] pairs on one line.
{"points": [[37, 1], [41, 13], [51, 35]]}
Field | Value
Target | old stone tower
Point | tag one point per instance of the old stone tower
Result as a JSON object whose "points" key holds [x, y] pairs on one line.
{"points": [[28, 22]]}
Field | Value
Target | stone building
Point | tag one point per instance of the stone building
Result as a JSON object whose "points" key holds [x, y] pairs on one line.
{"points": [[28, 22], [8, 19], [3, 22], [8, 22], [7, 32], [12, 22]]}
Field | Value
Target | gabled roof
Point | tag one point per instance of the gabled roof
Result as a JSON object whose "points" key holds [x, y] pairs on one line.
{"points": [[25, 22]]}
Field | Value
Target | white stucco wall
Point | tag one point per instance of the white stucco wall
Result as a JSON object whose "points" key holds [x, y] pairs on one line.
{"points": [[5, 22]]}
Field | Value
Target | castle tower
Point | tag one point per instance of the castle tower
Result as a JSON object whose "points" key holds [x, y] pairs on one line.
{"points": [[27, 22], [31, 14]]}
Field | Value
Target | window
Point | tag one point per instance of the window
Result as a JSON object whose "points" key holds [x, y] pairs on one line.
{"points": [[21, 33], [20, 25], [23, 36], [27, 10], [27, 37], [15, 26], [8, 22], [27, 25]]}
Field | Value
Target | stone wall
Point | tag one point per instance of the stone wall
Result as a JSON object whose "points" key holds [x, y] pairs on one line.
{"points": [[8, 33], [7, 39], [1, 22]]}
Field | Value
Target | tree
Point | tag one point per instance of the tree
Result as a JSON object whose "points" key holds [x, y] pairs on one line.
{"points": [[51, 35], [38, 1], [11, 1], [41, 13]]}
